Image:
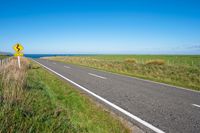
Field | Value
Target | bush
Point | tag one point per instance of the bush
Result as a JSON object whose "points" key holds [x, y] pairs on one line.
{"points": [[130, 61], [155, 62]]}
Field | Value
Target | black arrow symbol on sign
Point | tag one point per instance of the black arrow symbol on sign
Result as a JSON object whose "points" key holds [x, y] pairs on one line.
{"points": [[18, 47]]}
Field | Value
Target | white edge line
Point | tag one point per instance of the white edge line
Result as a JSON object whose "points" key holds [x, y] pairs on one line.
{"points": [[107, 102], [177, 87], [66, 67], [196, 105], [97, 76]]}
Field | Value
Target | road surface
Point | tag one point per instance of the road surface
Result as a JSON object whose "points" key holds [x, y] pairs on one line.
{"points": [[152, 106]]}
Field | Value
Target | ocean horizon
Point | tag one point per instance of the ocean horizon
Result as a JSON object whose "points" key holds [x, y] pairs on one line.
{"points": [[50, 55]]}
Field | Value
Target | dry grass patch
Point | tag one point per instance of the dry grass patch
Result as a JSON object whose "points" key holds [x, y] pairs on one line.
{"points": [[13, 80], [130, 61], [155, 62]]}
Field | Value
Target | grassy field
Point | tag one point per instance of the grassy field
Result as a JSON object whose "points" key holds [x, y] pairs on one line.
{"points": [[177, 70], [34, 100], [176, 60]]}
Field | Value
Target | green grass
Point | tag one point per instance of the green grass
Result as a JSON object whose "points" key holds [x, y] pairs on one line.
{"points": [[3, 56], [49, 104], [177, 70], [181, 60]]}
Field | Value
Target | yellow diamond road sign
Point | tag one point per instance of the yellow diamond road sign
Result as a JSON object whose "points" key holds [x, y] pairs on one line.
{"points": [[19, 54], [18, 47]]}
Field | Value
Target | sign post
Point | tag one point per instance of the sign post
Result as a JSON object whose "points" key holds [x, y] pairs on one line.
{"points": [[19, 63], [18, 49]]}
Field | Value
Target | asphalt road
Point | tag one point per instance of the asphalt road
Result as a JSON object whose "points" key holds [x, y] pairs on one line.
{"points": [[165, 108]]}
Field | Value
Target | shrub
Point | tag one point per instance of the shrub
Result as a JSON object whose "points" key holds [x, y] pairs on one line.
{"points": [[155, 62], [130, 61]]}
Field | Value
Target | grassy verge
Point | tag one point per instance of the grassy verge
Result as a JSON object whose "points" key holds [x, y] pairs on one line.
{"points": [[3, 56], [156, 68], [33, 100]]}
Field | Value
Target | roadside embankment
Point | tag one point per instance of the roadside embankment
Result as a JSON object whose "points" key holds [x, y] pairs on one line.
{"points": [[34, 100]]}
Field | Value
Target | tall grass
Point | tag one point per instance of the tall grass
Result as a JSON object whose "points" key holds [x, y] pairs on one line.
{"points": [[13, 96], [13, 81]]}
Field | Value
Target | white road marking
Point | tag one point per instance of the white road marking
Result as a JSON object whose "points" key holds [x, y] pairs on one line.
{"points": [[196, 105], [150, 126], [66, 67], [150, 81], [97, 76]]}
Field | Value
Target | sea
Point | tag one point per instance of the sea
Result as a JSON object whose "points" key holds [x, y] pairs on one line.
{"points": [[51, 55]]}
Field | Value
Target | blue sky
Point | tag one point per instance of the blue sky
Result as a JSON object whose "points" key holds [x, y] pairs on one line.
{"points": [[101, 26]]}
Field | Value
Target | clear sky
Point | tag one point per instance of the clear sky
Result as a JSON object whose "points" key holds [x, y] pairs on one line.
{"points": [[101, 26]]}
